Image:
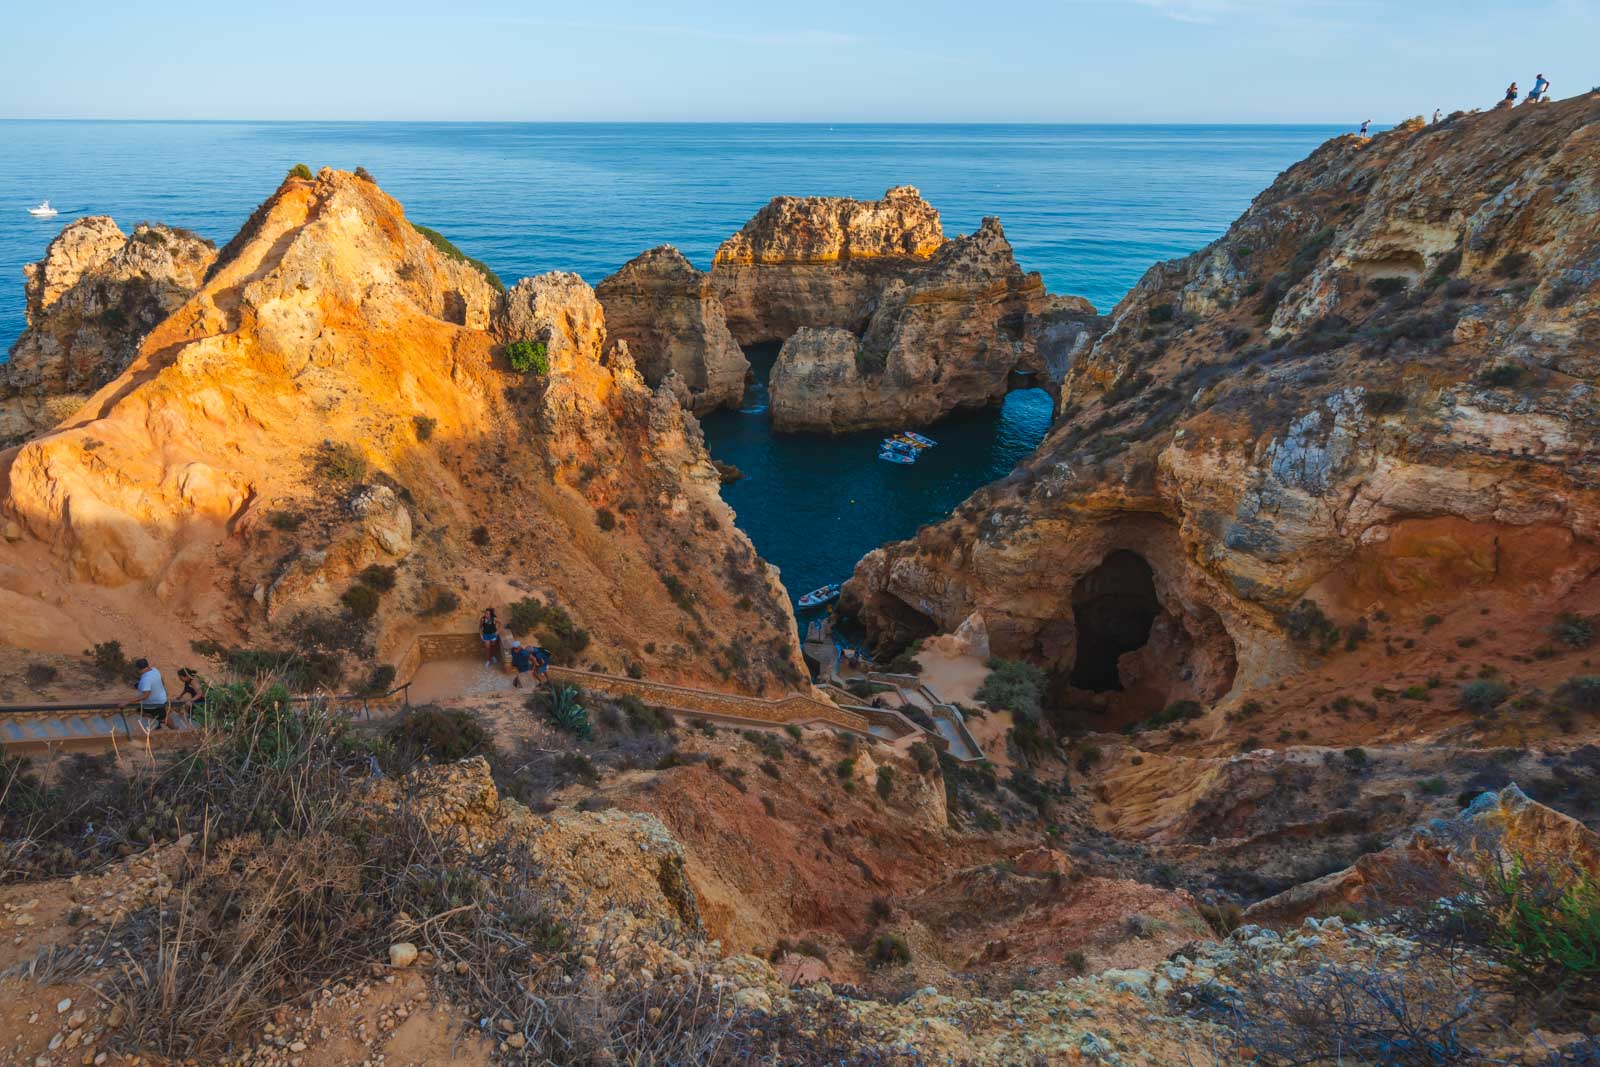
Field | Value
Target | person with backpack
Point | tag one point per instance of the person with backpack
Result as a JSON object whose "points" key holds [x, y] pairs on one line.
{"points": [[541, 664], [152, 698], [521, 662]]}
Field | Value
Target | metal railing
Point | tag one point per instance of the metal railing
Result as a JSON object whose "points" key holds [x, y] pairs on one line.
{"points": [[122, 708]]}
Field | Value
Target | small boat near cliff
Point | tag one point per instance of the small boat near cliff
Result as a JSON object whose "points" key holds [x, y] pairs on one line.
{"points": [[43, 211], [892, 456], [902, 447], [818, 597], [918, 439]]}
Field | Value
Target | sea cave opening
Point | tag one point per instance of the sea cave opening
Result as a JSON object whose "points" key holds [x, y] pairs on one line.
{"points": [[1113, 606]]}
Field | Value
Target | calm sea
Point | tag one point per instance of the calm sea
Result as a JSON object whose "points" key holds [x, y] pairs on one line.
{"points": [[1090, 207]]}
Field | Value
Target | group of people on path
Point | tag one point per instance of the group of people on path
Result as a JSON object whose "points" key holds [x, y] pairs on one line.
{"points": [[153, 701], [1537, 95], [525, 659]]}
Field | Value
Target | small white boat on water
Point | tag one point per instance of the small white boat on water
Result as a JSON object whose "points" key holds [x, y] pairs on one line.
{"points": [[43, 211], [892, 456], [818, 597]]}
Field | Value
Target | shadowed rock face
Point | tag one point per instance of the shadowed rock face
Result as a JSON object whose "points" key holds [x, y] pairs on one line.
{"points": [[334, 396], [1377, 390], [671, 319], [90, 301], [820, 261]]}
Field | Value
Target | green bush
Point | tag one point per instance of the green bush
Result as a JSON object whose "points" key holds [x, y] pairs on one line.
{"points": [[381, 680], [870, 362], [642, 717], [1161, 313], [377, 576], [301, 171], [889, 950], [361, 601], [1177, 711], [1356, 757], [1306, 624], [1484, 695], [551, 626], [1500, 376], [443, 735], [529, 357], [1387, 287], [1013, 686], [927, 759], [424, 426], [885, 781], [562, 705], [339, 462], [1575, 631], [442, 244], [604, 519], [109, 660], [1582, 692], [443, 602]]}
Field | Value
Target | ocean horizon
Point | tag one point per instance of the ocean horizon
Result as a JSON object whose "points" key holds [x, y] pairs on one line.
{"points": [[1089, 206]]}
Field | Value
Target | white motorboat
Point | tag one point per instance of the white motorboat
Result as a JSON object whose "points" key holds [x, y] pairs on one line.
{"points": [[818, 597], [43, 211]]}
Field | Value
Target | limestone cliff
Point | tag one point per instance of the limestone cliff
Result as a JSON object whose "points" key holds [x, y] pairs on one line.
{"points": [[671, 319], [90, 301], [820, 261], [335, 398], [943, 339], [1375, 393]]}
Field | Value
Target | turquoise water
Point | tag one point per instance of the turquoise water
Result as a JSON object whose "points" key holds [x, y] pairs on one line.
{"points": [[1090, 207]]}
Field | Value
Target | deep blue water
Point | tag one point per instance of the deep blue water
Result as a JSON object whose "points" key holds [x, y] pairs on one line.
{"points": [[1090, 207]]}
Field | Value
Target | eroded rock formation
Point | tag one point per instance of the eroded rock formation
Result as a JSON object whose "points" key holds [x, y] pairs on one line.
{"points": [[335, 396], [673, 321], [820, 261], [1376, 392], [946, 338], [90, 302]]}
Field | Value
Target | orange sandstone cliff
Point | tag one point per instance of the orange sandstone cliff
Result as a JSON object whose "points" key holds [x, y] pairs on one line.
{"points": [[335, 397]]}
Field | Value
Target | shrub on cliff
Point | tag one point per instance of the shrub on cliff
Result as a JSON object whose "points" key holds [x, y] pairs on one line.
{"points": [[529, 357], [551, 626], [1574, 631], [443, 735], [562, 705], [361, 601], [442, 244], [889, 950], [1013, 686], [1582, 692], [340, 462], [1484, 695], [299, 170]]}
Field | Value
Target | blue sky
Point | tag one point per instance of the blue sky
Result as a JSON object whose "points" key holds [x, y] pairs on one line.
{"points": [[823, 61]]}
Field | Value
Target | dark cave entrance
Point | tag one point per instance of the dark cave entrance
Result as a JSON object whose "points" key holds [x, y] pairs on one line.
{"points": [[1114, 606]]}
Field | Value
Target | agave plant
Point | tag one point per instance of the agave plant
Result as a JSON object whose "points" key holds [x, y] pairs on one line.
{"points": [[563, 707]]}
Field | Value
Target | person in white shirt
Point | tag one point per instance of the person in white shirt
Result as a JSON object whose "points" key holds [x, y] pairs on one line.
{"points": [[152, 698]]}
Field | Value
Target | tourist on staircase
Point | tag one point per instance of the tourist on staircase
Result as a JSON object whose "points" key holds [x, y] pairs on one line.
{"points": [[194, 691], [152, 698]]}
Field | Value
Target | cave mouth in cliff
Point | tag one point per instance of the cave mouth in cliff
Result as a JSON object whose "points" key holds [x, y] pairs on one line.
{"points": [[1113, 607]]}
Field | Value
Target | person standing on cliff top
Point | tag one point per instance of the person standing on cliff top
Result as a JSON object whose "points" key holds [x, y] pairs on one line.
{"points": [[1364, 127], [1541, 86], [1436, 116], [1511, 93]]}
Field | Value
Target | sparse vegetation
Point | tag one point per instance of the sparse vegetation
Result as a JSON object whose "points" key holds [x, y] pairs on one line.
{"points": [[337, 461], [424, 426], [442, 244], [1574, 631], [442, 735], [888, 950], [604, 519], [553, 627], [1306, 624], [1484, 695], [300, 171], [1581, 692], [361, 601], [109, 660], [1500, 376]]}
